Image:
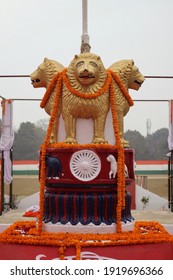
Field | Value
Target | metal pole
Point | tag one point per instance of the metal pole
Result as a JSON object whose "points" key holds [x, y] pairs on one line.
{"points": [[171, 183], [85, 46], [11, 184], [14, 76], [2, 183], [85, 17]]}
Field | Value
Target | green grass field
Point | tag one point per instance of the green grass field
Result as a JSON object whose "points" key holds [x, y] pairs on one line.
{"points": [[158, 185], [23, 186]]}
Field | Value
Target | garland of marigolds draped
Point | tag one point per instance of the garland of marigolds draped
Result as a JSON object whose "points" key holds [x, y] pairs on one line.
{"points": [[45, 146], [23, 232], [120, 163], [56, 84]]}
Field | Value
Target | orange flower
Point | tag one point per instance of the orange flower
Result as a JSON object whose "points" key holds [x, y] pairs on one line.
{"points": [[78, 251], [121, 177], [44, 148], [122, 87], [27, 233], [61, 252], [49, 90], [85, 94]]}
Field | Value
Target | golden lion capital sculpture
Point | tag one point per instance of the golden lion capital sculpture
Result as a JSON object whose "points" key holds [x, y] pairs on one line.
{"points": [[85, 93]]}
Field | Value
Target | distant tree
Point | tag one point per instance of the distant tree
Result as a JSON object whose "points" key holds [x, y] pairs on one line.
{"points": [[29, 137], [157, 144], [27, 141], [138, 143], [43, 123], [152, 147]]}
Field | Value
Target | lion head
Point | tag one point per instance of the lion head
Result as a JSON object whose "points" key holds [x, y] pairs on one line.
{"points": [[45, 72], [86, 72], [136, 78], [128, 73]]}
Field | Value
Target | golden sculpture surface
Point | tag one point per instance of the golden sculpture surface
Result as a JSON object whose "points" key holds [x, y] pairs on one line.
{"points": [[87, 75], [85, 92], [131, 77], [42, 78]]}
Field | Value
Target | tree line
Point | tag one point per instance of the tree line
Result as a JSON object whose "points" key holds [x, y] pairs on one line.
{"points": [[29, 137], [152, 147], [27, 141]]}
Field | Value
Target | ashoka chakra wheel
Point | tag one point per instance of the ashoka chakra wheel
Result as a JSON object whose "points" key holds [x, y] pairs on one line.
{"points": [[85, 165]]}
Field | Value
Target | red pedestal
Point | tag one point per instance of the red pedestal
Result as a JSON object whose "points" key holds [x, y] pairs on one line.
{"points": [[86, 195]]}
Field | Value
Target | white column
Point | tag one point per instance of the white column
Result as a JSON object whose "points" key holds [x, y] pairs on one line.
{"points": [[7, 138], [85, 37]]}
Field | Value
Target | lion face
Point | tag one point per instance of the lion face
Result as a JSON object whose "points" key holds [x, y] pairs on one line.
{"points": [[45, 72], [86, 71], [38, 77], [86, 68], [136, 79]]}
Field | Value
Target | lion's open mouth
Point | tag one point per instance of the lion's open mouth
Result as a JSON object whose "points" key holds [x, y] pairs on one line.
{"points": [[137, 82], [86, 76], [35, 81]]}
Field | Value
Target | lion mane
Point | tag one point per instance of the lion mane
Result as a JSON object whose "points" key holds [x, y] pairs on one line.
{"points": [[101, 71]]}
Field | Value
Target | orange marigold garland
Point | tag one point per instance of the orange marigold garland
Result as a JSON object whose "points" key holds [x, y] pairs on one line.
{"points": [[49, 90], [44, 148], [61, 252], [122, 87], [27, 233], [63, 145], [78, 251], [121, 178], [87, 95]]}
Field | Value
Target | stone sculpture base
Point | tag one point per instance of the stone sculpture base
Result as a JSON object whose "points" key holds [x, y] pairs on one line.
{"points": [[90, 228], [73, 197]]}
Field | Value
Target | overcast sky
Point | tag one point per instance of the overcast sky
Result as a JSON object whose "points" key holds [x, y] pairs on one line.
{"points": [[141, 30]]}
